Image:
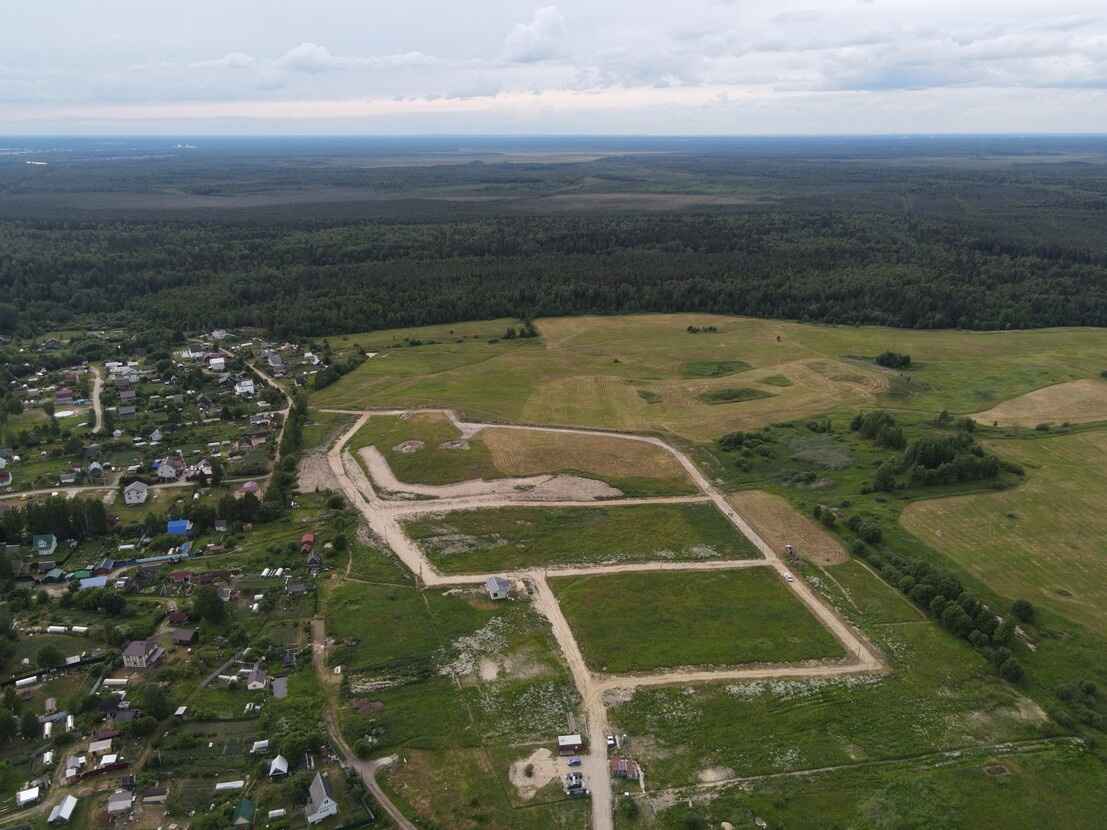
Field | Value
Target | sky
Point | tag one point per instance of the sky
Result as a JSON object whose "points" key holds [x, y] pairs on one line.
{"points": [[657, 67]]}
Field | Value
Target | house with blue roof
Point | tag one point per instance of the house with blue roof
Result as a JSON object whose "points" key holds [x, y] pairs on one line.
{"points": [[178, 527]]}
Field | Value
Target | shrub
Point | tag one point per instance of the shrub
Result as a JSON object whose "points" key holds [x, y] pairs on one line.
{"points": [[893, 360], [1011, 670], [1023, 610]]}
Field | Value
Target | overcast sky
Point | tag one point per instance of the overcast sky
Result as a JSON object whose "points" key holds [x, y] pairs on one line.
{"points": [[568, 66]]}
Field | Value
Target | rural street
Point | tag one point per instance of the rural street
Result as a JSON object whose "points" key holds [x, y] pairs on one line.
{"points": [[382, 517], [97, 389]]}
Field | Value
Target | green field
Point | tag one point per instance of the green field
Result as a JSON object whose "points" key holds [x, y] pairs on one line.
{"points": [[1043, 541], [1052, 786], [589, 370], [507, 538], [432, 463], [733, 394], [643, 621]]}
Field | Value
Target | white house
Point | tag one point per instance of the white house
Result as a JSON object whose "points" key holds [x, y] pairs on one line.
{"points": [[120, 801], [244, 388], [30, 796], [217, 364], [497, 587], [321, 803], [278, 767], [257, 679], [136, 492], [140, 654], [63, 810], [167, 472]]}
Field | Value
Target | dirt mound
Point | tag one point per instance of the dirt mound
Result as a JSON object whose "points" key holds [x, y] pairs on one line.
{"points": [[408, 447], [572, 488], [459, 444]]}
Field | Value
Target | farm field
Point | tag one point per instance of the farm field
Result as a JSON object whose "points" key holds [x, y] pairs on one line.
{"points": [[643, 621], [780, 524], [426, 448], [631, 373], [1042, 541], [479, 541], [1075, 402]]}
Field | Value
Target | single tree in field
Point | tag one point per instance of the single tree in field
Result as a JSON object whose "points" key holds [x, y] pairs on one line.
{"points": [[1022, 609]]}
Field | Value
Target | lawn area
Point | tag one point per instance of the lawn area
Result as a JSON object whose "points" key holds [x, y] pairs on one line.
{"points": [[323, 427], [1053, 787], [643, 621], [1043, 541], [524, 537], [586, 371], [874, 600]]}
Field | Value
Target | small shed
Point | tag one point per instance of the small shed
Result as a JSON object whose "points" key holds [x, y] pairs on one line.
{"points": [[278, 767], [63, 810], [497, 587], [243, 813], [569, 744]]}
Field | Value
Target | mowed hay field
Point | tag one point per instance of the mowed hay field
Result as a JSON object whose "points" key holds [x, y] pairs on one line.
{"points": [[780, 524], [635, 622], [1045, 541], [647, 373], [506, 538], [445, 457], [1076, 402]]}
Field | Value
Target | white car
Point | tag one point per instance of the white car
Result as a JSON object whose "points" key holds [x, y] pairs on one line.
{"points": [[789, 578]]}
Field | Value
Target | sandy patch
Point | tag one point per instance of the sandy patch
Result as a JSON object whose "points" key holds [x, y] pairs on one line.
{"points": [[780, 524], [489, 669], [1076, 402], [460, 444], [408, 447], [571, 488], [315, 473], [543, 768], [531, 488], [712, 775]]}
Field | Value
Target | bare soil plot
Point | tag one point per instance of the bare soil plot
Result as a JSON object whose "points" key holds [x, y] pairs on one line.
{"points": [[634, 622], [1042, 541], [1076, 402], [644, 469], [780, 524]]}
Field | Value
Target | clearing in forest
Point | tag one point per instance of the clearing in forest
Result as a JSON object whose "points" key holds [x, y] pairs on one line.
{"points": [[633, 622]]}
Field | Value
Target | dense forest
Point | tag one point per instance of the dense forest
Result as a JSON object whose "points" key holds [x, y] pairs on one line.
{"points": [[965, 243]]}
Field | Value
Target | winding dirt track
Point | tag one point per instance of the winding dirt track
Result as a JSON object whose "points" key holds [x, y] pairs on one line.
{"points": [[382, 517]]}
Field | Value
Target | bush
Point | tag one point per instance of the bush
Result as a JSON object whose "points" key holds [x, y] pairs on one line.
{"points": [[1012, 670], [1023, 610], [893, 360]]}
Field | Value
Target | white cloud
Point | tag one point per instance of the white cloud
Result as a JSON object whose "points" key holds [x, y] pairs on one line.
{"points": [[315, 59], [541, 39], [232, 60]]}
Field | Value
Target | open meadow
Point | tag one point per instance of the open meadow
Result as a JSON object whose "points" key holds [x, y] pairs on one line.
{"points": [[634, 622], [507, 538], [649, 373]]}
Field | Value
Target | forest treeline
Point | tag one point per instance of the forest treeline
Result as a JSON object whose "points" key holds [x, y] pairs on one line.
{"points": [[819, 265]]}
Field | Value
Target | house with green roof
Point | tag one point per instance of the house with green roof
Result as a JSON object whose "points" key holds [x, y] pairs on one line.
{"points": [[243, 813]]}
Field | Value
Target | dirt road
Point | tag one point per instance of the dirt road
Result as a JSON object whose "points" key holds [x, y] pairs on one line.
{"points": [[366, 769], [97, 390], [382, 516]]}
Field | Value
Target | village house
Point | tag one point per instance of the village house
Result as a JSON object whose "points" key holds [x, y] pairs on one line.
{"points": [[44, 544], [497, 587], [243, 814], [141, 654], [244, 388], [166, 471], [321, 803], [278, 767], [136, 492], [184, 636], [217, 364]]}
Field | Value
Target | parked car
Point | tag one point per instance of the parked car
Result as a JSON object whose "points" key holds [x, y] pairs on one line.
{"points": [[574, 762]]}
